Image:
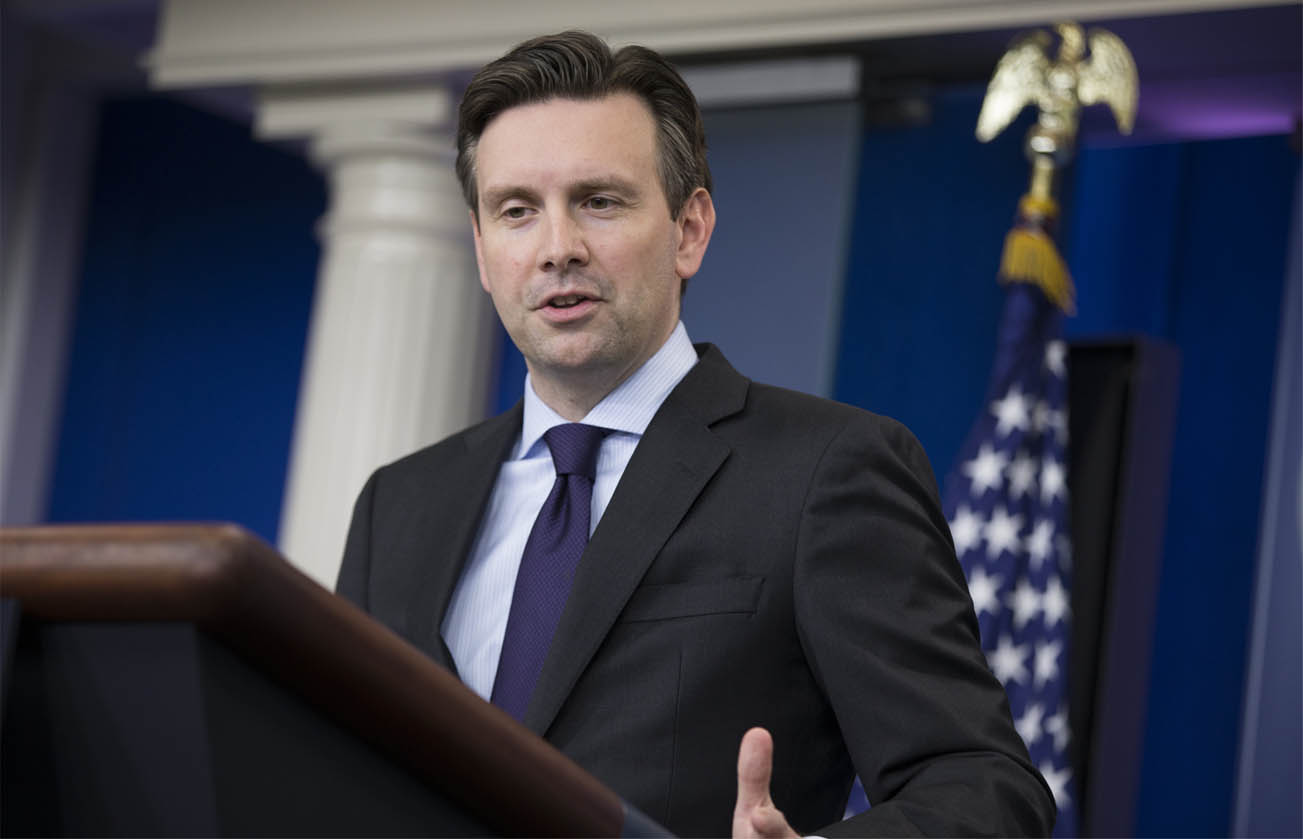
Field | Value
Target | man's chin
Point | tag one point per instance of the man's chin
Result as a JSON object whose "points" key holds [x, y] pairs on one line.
{"points": [[572, 346], [574, 364], [583, 365]]}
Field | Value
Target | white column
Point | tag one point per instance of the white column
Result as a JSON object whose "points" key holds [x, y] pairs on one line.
{"points": [[399, 347], [50, 145]]}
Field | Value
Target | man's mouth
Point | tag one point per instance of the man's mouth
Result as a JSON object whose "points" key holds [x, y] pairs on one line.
{"points": [[567, 301]]}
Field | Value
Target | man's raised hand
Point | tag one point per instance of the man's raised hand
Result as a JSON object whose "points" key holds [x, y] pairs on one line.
{"points": [[755, 815]]}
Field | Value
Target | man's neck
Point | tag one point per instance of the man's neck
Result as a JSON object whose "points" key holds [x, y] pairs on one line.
{"points": [[574, 397], [573, 393]]}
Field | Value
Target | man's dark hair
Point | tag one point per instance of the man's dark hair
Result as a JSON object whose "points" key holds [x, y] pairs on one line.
{"points": [[579, 65]]}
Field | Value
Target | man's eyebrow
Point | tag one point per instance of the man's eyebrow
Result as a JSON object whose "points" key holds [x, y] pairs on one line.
{"points": [[500, 195], [607, 183]]}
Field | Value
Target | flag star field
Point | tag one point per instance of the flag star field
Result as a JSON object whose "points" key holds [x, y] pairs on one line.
{"points": [[1007, 504]]}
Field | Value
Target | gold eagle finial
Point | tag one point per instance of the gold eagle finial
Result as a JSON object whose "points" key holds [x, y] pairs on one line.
{"points": [[1059, 86]]}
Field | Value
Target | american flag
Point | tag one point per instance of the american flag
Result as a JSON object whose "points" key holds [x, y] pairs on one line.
{"points": [[1007, 503]]}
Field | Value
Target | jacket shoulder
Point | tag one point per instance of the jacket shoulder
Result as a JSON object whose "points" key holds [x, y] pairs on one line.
{"points": [[814, 411], [495, 432]]}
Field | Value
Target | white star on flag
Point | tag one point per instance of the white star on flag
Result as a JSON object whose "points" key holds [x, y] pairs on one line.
{"points": [[985, 469], [983, 590], [1038, 543], [1021, 475], [1055, 602], [1045, 662], [966, 530], [1025, 603], [1008, 661], [1053, 481], [1011, 412], [1058, 782], [1057, 726], [1045, 418], [1001, 532], [1055, 354], [1029, 724]]}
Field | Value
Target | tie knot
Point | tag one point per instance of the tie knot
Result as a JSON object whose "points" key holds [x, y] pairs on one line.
{"points": [[574, 448]]}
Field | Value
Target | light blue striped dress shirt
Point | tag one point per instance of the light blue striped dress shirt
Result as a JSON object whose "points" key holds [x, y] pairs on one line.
{"points": [[477, 616]]}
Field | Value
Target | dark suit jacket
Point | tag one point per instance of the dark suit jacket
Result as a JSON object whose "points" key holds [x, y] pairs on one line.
{"points": [[768, 558]]}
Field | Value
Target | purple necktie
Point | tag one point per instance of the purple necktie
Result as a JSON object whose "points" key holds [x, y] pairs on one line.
{"points": [[547, 567]]}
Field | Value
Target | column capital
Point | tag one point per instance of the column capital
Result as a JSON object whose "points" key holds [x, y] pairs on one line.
{"points": [[335, 144], [380, 112], [391, 180], [387, 150]]}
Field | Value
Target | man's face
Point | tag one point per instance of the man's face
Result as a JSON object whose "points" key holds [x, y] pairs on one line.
{"points": [[574, 239]]}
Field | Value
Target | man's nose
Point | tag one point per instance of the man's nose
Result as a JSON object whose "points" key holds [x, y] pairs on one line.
{"points": [[563, 244]]}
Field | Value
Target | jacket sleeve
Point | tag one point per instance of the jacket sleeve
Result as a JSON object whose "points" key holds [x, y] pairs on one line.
{"points": [[888, 627]]}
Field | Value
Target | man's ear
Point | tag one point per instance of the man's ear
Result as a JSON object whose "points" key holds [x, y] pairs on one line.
{"points": [[479, 250], [696, 222]]}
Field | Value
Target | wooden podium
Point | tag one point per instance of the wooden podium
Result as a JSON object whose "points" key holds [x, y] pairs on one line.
{"points": [[187, 681]]}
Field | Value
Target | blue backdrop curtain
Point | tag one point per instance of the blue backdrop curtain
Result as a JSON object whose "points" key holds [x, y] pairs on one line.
{"points": [[190, 326]]}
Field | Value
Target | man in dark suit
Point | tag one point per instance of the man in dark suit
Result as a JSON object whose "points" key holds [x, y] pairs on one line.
{"points": [[765, 568]]}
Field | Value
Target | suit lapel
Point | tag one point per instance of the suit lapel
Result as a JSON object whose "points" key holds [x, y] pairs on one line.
{"points": [[672, 464], [452, 521]]}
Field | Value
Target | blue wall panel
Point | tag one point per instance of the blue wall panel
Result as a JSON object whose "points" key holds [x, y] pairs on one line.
{"points": [[1229, 278], [195, 293], [921, 303], [1187, 242], [1271, 756], [1121, 238], [769, 292]]}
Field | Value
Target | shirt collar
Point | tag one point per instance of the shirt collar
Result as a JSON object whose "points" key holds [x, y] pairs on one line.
{"points": [[628, 409]]}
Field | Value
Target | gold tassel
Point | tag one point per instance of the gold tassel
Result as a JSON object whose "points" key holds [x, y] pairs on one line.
{"points": [[1030, 257]]}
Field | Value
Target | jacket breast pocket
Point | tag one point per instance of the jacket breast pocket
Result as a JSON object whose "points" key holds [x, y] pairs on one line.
{"points": [[735, 595]]}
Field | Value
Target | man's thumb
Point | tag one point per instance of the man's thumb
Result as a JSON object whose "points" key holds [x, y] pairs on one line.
{"points": [[754, 764]]}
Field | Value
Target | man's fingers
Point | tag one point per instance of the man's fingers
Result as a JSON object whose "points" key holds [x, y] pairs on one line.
{"points": [[755, 761], [768, 822], [755, 814]]}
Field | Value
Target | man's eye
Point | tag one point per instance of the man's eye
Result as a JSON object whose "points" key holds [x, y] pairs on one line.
{"points": [[600, 202], [514, 212]]}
